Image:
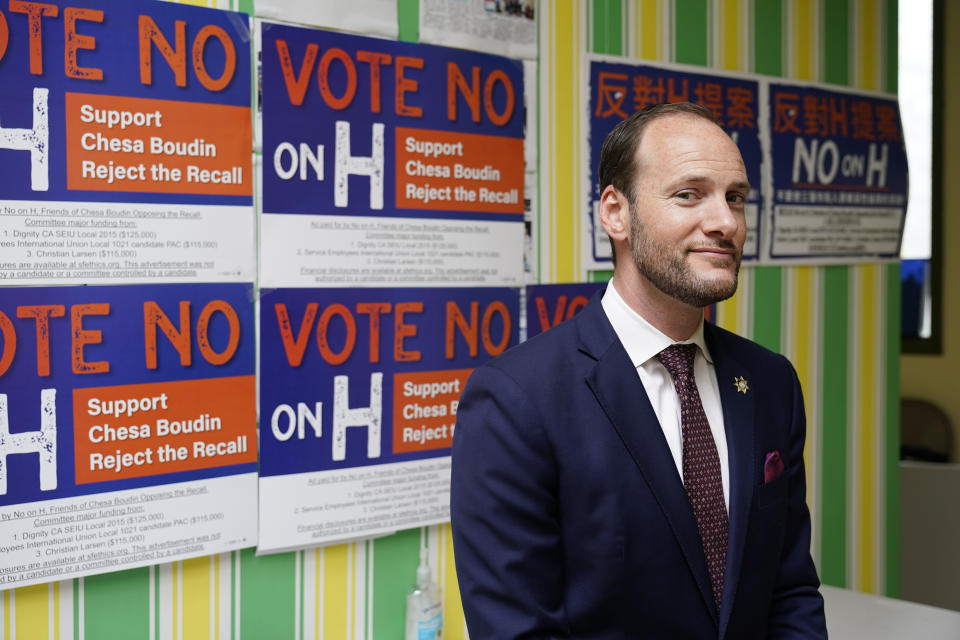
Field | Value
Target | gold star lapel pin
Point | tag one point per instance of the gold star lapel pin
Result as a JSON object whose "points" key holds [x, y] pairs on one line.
{"points": [[741, 384]]}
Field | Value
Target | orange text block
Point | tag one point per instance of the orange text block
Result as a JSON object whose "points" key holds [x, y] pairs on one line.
{"points": [[425, 408], [116, 143], [454, 171], [137, 430]]}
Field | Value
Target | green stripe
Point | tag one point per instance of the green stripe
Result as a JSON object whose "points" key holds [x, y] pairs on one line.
{"points": [[245, 6], [600, 276], [891, 48], [76, 608], [394, 573], [607, 27], [833, 462], [767, 282], [303, 614], [267, 595], [408, 20], [768, 24], [767, 306], [836, 42], [117, 601], [233, 595], [691, 32], [156, 601], [368, 553], [893, 430], [836, 285]]}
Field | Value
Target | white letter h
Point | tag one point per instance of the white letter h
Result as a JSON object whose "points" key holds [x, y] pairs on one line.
{"points": [[43, 442]]}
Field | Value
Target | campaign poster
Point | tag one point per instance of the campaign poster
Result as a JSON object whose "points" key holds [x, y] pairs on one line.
{"points": [[619, 87], [373, 17], [388, 163], [550, 304], [506, 28], [125, 139], [839, 175], [127, 427], [358, 400]]}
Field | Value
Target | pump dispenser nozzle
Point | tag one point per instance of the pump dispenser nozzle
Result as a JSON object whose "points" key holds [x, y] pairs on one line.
{"points": [[423, 569], [424, 607]]}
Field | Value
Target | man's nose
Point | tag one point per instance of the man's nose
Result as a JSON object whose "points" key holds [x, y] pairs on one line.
{"points": [[721, 219]]}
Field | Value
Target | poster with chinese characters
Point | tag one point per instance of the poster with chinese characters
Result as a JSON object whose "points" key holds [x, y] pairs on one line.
{"points": [[827, 165], [618, 88], [839, 168]]}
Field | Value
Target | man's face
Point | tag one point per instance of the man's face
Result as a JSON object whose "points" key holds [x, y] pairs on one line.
{"points": [[687, 224]]}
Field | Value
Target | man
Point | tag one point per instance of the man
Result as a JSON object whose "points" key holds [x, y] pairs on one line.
{"points": [[607, 484]]}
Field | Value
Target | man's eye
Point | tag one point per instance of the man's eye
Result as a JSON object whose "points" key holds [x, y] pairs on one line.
{"points": [[736, 198], [686, 195]]}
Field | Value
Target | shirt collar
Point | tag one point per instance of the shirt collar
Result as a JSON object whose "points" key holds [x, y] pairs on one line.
{"points": [[641, 339]]}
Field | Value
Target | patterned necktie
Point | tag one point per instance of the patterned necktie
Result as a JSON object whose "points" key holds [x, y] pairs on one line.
{"points": [[701, 464]]}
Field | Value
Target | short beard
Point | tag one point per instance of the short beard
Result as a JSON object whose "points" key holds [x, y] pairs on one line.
{"points": [[670, 273]]}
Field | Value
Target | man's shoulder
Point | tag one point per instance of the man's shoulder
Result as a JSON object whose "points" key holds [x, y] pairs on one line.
{"points": [[552, 343], [560, 352], [723, 343]]}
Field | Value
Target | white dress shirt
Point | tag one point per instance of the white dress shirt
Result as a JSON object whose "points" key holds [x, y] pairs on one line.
{"points": [[643, 342]]}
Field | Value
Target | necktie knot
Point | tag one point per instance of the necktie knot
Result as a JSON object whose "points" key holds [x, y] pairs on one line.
{"points": [[678, 360]]}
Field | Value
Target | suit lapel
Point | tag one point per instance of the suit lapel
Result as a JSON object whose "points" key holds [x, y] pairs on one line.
{"points": [[617, 387], [738, 418]]}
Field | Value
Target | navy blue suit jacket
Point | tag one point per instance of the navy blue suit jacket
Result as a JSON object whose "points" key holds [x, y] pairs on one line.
{"points": [[570, 519]]}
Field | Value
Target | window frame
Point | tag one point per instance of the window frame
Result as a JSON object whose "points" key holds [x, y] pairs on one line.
{"points": [[933, 345]]}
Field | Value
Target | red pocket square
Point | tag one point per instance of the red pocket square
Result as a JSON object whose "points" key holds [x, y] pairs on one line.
{"points": [[772, 467]]}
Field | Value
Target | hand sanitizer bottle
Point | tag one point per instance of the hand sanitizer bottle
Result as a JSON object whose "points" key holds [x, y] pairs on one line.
{"points": [[424, 608]]}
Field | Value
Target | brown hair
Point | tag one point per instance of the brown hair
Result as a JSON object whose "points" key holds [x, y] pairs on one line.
{"points": [[618, 156]]}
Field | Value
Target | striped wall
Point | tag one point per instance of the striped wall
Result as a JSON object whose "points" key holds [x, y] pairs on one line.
{"points": [[838, 324]]}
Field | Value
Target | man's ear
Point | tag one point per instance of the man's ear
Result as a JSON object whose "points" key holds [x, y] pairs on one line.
{"points": [[615, 214]]}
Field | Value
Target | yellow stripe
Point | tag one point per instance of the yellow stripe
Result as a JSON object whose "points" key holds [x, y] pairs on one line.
{"points": [[362, 577], [803, 40], [549, 163], [6, 595], [453, 623], [196, 598], [649, 28], [566, 104], [318, 607], [32, 603], [215, 567], [730, 32], [56, 609], [174, 567], [866, 447], [867, 22], [335, 614], [351, 585], [727, 313]]}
